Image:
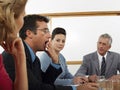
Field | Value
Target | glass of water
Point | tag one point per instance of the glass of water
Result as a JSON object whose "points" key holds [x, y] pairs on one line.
{"points": [[101, 82], [104, 84]]}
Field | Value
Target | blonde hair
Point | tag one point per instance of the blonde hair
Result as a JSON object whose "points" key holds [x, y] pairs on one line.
{"points": [[9, 11]]}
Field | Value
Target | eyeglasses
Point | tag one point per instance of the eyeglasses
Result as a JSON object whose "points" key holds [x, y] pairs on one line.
{"points": [[45, 30]]}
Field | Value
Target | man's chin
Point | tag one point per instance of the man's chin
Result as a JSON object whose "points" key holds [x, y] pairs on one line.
{"points": [[42, 49], [101, 53]]}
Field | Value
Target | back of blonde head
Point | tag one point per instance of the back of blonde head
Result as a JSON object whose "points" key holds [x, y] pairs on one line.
{"points": [[9, 11]]}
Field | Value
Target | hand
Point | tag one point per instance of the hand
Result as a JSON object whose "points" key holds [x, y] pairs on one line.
{"points": [[88, 86], [80, 80], [92, 78], [15, 48], [52, 53], [115, 77]]}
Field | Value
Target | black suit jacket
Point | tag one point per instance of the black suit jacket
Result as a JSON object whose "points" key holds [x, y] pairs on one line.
{"points": [[34, 82]]}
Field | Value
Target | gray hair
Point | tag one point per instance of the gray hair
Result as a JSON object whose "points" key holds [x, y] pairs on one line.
{"points": [[106, 36]]}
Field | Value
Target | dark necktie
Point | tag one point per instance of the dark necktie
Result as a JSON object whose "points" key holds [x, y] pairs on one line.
{"points": [[36, 67], [103, 67]]}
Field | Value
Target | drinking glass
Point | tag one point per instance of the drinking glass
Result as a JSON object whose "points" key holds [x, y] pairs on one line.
{"points": [[101, 82], [108, 85], [116, 84], [104, 84]]}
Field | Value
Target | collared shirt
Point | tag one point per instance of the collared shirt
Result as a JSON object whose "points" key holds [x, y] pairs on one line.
{"points": [[31, 52], [100, 59], [57, 66], [54, 65]]}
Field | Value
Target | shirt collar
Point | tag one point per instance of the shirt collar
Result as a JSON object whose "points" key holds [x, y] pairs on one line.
{"points": [[100, 56], [32, 54]]}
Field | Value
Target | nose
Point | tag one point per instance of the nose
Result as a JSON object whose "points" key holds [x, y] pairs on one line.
{"points": [[61, 43]]}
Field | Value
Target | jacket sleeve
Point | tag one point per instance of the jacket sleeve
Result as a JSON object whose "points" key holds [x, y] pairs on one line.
{"points": [[82, 71], [9, 64]]}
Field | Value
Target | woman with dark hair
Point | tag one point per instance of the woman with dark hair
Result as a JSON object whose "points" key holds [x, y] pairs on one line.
{"points": [[62, 76]]}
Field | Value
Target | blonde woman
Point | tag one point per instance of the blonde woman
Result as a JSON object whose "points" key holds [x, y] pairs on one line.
{"points": [[11, 21]]}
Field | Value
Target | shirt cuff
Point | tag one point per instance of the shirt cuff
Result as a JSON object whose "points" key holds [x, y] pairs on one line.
{"points": [[57, 66]]}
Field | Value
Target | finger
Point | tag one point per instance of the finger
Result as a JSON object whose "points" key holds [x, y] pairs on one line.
{"points": [[5, 46], [93, 88]]}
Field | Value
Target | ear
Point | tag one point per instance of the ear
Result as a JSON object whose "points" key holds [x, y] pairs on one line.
{"points": [[29, 34], [109, 46]]}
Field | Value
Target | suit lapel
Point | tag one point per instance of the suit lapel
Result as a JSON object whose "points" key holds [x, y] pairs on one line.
{"points": [[108, 61], [28, 56], [96, 63]]}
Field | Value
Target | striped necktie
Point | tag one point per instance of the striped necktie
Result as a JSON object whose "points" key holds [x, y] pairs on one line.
{"points": [[103, 67]]}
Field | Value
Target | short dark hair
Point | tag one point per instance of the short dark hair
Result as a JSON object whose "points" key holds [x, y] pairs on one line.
{"points": [[58, 30], [30, 23]]}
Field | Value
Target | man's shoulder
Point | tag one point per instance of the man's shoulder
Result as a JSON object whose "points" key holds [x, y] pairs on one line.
{"points": [[6, 55], [7, 58], [113, 53]]}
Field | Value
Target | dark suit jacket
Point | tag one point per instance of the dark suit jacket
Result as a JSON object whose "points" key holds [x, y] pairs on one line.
{"points": [[90, 65], [34, 82]]}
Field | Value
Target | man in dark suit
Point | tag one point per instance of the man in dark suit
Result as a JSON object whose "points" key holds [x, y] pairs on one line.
{"points": [[35, 36], [101, 62]]}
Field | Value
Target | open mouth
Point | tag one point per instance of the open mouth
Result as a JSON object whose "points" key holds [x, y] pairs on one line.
{"points": [[46, 44]]}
